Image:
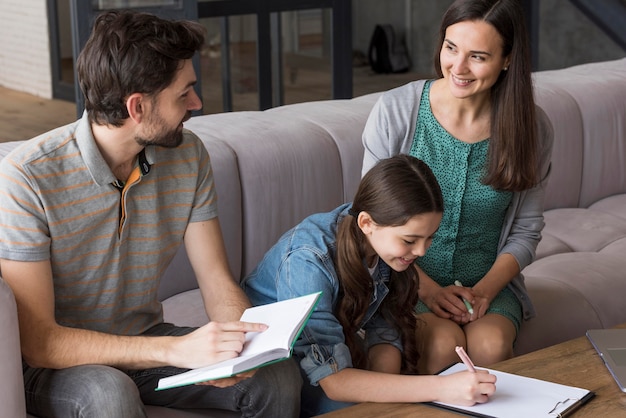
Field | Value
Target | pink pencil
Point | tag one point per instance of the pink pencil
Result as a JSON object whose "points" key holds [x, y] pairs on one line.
{"points": [[465, 359]]}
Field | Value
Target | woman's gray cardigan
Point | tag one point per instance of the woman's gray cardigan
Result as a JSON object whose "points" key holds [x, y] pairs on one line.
{"points": [[390, 129]]}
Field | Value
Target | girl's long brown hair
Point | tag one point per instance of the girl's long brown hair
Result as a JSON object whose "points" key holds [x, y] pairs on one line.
{"points": [[392, 192], [512, 161]]}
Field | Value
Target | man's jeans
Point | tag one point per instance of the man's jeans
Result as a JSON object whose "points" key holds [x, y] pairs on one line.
{"points": [[95, 391]]}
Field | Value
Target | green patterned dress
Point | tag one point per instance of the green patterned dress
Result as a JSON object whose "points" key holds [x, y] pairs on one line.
{"points": [[465, 245]]}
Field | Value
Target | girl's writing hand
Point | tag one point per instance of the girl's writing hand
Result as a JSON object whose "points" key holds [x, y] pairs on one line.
{"points": [[467, 388]]}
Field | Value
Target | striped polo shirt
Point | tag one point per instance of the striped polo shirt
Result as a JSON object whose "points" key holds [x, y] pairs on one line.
{"points": [[108, 243]]}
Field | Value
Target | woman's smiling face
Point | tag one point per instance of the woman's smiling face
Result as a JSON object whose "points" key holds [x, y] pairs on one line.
{"points": [[471, 58]]}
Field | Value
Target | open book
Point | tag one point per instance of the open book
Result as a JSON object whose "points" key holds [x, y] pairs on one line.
{"points": [[286, 320], [519, 396]]}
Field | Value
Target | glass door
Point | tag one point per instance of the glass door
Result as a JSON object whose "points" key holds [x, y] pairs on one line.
{"points": [[61, 62]]}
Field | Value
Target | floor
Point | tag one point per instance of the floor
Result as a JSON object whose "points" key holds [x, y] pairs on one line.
{"points": [[23, 116]]}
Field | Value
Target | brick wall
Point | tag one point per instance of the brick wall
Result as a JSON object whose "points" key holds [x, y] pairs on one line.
{"points": [[25, 47]]}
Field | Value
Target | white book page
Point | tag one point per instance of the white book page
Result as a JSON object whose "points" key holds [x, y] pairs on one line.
{"points": [[284, 320], [220, 370]]}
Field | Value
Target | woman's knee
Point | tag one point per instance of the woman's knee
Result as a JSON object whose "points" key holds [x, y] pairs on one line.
{"points": [[491, 341], [437, 338], [438, 333]]}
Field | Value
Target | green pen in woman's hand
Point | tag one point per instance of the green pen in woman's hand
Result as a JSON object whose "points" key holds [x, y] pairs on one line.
{"points": [[468, 305]]}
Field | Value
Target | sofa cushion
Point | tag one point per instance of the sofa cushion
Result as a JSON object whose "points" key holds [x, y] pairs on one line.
{"points": [[556, 320], [613, 204], [7, 147], [616, 248], [563, 188], [602, 107], [598, 277], [338, 118], [12, 394], [580, 229], [283, 175], [185, 309]]}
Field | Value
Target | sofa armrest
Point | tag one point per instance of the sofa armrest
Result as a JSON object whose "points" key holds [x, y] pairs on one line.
{"points": [[12, 391]]}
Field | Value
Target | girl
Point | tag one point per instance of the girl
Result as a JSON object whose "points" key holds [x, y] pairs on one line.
{"points": [[477, 127], [359, 344]]}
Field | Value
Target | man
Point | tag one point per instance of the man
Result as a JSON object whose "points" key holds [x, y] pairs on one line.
{"points": [[92, 213]]}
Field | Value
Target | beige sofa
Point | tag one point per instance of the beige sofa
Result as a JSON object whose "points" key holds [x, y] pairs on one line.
{"points": [[275, 167]]}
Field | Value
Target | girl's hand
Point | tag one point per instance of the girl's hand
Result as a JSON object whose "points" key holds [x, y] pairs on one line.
{"points": [[467, 388]]}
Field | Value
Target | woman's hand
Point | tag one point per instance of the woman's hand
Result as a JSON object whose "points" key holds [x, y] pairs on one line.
{"points": [[481, 304], [447, 302]]}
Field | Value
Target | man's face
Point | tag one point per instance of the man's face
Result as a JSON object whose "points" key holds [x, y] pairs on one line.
{"points": [[168, 110]]}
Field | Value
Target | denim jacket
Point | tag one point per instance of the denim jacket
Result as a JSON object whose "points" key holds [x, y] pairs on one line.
{"points": [[302, 262]]}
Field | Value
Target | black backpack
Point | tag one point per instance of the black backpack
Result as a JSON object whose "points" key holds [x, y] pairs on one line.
{"points": [[386, 54]]}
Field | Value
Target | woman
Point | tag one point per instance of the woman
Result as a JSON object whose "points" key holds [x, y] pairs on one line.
{"points": [[359, 344], [489, 146]]}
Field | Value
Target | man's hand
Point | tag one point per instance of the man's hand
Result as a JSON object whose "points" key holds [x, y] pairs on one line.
{"points": [[212, 343]]}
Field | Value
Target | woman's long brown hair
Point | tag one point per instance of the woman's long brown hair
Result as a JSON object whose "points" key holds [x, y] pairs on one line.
{"points": [[513, 156], [392, 192]]}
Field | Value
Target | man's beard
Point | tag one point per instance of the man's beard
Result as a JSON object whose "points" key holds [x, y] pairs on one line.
{"points": [[170, 139], [160, 136]]}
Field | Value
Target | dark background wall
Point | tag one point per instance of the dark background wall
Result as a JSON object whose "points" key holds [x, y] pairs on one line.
{"points": [[566, 36]]}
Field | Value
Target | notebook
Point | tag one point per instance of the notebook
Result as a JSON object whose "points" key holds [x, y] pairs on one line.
{"points": [[611, 345], [522, 397], [286, 319]]}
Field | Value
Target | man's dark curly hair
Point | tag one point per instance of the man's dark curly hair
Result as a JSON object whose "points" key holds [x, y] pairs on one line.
{"points": [[130, 52]]}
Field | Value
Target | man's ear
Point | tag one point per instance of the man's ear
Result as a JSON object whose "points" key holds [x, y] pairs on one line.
{"points": [[136, 107]]}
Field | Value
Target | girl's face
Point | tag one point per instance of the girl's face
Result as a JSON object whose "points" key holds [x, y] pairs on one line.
{"points": [[399, 246], [471, 58]]}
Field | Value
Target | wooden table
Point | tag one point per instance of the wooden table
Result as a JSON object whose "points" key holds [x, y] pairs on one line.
{"points": [[573, 363]]}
